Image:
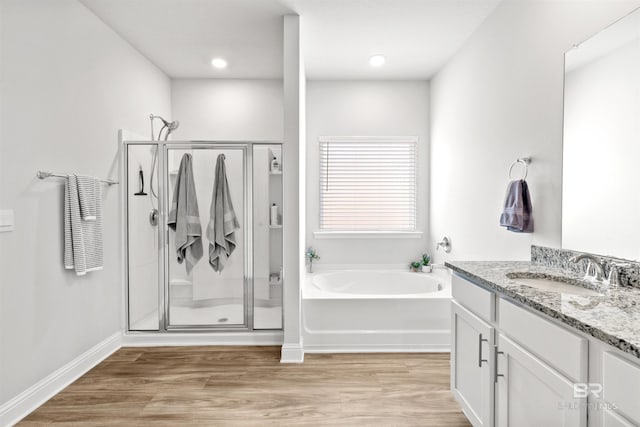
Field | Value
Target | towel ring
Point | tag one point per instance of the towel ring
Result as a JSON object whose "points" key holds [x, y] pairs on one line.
{"points": [[525, 161]]}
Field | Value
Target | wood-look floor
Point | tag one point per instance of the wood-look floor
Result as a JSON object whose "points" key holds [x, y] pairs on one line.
{"points": [[247, 386]]}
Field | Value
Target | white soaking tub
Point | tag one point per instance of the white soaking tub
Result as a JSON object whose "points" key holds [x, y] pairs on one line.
{"points": [[365, 310]]}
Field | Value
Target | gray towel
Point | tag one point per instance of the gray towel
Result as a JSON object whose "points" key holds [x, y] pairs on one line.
{"points": [[83, 250], [184, 216], [516, 215], [223, 222]]}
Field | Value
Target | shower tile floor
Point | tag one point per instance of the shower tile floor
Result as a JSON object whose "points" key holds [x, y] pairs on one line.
{"points": [[248, 386]]}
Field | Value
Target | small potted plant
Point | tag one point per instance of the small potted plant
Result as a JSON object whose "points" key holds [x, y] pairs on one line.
{"points": [[426, 266], [415, 266], [311, 255]]}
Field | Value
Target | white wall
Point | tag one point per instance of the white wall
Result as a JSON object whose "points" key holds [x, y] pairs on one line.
{"points": [[68, 84], [367, 108], [499, 98], [219, 109], [293, 178]]}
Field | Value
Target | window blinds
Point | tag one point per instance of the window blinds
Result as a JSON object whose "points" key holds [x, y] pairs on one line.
{"points": [[368, 184]]}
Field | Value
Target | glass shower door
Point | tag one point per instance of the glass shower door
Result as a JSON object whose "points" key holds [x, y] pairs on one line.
{"points": [[143, 263], [213, 292]]}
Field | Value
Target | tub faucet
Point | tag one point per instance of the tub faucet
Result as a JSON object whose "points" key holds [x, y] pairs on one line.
{"points": [[594, 273], [445, 244], [311, 256]]}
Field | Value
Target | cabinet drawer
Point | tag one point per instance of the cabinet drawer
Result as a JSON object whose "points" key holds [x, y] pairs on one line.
{"points": [[621, 385], [559, 347], [474, 298]]}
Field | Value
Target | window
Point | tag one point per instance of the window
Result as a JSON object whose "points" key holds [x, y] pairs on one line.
{"points": [[367, 184]]}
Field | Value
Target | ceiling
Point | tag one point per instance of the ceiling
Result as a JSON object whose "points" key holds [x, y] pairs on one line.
{"points": [[182, 36], [417, 37], [620, 33]]}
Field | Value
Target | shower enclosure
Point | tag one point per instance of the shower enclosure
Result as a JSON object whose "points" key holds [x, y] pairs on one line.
{"points": [[162, 296]]}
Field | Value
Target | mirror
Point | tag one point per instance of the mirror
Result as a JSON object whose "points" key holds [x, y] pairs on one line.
{"points": [[601, 147]]}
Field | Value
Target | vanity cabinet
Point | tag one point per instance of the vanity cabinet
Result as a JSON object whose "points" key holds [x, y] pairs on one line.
{"points": [[512, 367], [471, 350]]}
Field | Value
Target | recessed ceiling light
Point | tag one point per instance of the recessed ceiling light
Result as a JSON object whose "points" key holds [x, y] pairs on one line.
{"points": [[376, 60], [219, 63]]}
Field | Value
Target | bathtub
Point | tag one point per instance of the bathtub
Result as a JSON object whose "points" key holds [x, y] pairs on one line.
{"points": [[367, 310]]}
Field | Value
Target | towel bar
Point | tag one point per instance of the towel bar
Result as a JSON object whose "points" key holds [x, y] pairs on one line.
{"points": [[44, 175]]}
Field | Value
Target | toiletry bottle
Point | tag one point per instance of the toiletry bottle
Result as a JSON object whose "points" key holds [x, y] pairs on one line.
{"points": [[275, 165], [274, 214]]}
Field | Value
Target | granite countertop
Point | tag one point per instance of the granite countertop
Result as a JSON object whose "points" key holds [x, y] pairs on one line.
{"points": [[612, 317]]}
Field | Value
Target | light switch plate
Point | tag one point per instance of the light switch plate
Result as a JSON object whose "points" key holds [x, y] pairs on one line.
{"points": [[6, 220]]}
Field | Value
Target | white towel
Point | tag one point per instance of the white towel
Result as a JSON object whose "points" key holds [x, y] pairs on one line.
{"points": [[82, 238], [88, 191]]}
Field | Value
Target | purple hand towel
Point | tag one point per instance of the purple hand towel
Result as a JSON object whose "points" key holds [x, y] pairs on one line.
{"points": [[516, 215]]}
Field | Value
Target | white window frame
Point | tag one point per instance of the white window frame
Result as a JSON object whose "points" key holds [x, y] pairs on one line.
{"points": [[375, 234]]}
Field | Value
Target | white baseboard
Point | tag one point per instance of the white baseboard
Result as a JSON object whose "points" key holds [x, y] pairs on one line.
{"points": [[377, 349], [292, 353], [142, 339], [29, 400], [378, 341]]}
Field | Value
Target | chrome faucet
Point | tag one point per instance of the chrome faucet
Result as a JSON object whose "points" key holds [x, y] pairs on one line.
{"points": [[614, 272], [594, 273]]}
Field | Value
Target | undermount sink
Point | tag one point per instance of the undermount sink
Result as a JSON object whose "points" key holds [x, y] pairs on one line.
{"points": [[548, 283]]}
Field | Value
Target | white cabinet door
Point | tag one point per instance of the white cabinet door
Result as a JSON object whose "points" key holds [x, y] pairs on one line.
{"points": [[471, 363], [621, 385], [611, 419], [531, 393]]}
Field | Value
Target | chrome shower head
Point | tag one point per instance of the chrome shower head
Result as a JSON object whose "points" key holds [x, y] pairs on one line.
{"points": [[173, 126], [169, 126]]}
